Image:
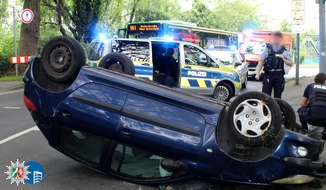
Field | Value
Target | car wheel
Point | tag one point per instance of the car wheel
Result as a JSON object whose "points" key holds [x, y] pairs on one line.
{"points": [[255, 119], [62, 58], [288, 115], [245, 83], [118, 62], [223, 91]]}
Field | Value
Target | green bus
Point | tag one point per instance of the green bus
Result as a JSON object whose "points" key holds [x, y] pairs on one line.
{"points": [[181, 31]]}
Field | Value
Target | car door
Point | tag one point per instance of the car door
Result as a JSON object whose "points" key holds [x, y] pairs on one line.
{"points": [[138, 165], [156, 125], [197, 68], [86, 119]]}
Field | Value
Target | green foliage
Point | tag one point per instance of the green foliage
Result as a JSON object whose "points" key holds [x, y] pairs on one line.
{"points": [[46, 33], [236, 15], [6, 51], [79, 16], [3, 11], [285, 26], [199, 14], [11, 78], [148, 10]]}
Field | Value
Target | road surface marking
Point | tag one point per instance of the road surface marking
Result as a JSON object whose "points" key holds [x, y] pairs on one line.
{"points": [[35, 128], [14, 108]]}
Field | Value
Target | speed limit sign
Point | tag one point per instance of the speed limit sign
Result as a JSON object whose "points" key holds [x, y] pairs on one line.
{"points": [[27, 16]]}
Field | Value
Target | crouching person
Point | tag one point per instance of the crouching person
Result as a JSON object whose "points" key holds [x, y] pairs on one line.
{"points": [[313, 104]]}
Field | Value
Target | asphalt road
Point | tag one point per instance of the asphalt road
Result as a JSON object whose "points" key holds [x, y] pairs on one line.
{"points": [[61, 172]]}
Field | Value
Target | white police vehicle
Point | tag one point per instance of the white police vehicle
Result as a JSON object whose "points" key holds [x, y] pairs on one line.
{"points": [[171, 63]]}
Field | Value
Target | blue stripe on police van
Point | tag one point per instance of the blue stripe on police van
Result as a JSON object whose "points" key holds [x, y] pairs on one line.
{"points": [[208, 84], [193, 82]]}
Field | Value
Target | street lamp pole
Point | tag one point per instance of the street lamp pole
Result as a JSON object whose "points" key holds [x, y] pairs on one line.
{"points": [[322, 45], [15, 44]]}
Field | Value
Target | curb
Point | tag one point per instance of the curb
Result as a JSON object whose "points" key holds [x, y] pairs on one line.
{"points": [[16, 87]]}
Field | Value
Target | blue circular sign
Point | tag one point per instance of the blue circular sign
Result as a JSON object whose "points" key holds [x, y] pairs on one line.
{"points": [[37, 172]]}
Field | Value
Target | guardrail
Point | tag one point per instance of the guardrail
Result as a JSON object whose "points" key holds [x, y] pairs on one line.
{"points": [[21, 59]]}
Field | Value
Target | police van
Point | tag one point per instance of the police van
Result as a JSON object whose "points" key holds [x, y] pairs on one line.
{"points": [[171, 63]]}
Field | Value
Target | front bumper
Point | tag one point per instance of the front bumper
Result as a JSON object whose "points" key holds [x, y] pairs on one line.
{"points": [[306, 164]]}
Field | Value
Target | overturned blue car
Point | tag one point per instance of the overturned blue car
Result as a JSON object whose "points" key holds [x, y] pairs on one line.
{"points": [[147, 133]]}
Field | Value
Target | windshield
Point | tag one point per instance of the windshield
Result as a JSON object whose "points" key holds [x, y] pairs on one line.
{"points": [[225, 57], [253, 47]]}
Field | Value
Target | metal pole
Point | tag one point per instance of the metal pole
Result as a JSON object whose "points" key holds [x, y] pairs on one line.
{"points": [[322, 45], [297, 59], [15, 46]]}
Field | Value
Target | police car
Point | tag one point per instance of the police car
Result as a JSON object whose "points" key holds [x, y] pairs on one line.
{"points": [[170, 63]]}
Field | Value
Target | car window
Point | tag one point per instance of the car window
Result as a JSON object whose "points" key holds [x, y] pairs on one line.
{"points": [[83, 145], [137, 163], [96, 51], [135, 50], [195, 56]]}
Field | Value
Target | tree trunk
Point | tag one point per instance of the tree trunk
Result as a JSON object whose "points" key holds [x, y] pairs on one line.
{"points": [[30, 33], [133, 10]]}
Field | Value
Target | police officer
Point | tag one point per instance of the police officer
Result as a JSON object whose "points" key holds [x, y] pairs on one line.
{"points": [[313, 103], [273, 58]]}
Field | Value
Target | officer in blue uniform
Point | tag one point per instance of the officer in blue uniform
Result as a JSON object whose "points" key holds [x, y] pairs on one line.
{"points": [[313, 103], [273, 58]]}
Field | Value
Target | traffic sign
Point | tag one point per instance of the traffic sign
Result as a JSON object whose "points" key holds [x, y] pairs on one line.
{"points": [[298, 29], [298, 5], [298, 16], [27, 16]]}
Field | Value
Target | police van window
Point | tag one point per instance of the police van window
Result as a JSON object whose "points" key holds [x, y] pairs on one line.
{"points": [[96, 51], [194, 56], [135, 50]]}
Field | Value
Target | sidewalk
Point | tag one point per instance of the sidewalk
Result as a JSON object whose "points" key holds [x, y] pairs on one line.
{"points": [[7, 86], [293, 94]]}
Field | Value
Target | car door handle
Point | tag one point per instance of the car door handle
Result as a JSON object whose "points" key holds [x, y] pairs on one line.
{"points": [[187, 67], [65, 114], [145, 64], [126, 132]]}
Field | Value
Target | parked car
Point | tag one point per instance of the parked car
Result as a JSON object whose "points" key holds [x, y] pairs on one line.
{"points": [[172, 63], [230, 60], [147, 133]]}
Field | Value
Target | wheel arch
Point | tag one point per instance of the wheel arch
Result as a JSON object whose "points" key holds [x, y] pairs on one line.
{"points": [[229, 83]]}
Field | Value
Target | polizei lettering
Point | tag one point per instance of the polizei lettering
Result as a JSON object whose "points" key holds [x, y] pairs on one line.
{"points": [[197, 73], [320, 86]]}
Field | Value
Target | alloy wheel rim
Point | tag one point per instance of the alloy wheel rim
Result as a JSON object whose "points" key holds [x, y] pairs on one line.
{"points": [[221, 93], [252, 118]]}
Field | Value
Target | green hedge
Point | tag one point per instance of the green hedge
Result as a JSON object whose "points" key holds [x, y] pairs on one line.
{"points": [[5, 67]]}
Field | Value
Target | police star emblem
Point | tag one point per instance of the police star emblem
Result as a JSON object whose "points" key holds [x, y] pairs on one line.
{"points": [[17, 172]]}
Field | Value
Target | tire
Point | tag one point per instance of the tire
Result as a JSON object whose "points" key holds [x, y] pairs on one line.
{"points": [[62, 58], [288, 115], [223, 91], [255, 119], [118, 62], [244, 85]]}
